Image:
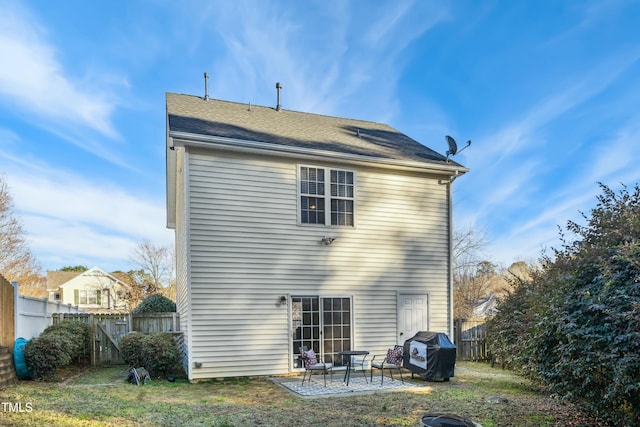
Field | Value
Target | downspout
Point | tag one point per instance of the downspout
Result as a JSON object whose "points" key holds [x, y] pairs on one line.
{"points": [[450, 220], [186, 229], [448, 183]]}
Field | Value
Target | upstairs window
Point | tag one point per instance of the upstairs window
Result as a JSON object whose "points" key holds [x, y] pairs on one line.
{"points": [[326, 196], [312, 186]]}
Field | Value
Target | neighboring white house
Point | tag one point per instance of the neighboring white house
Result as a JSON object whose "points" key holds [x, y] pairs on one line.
{"points": [[300, 229], [92, 290]]}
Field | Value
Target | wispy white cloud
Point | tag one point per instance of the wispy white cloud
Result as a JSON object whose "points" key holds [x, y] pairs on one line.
{"points": [[35, 81], [523, 131], [616, 154], [327, 66], [93, 220], [552, 178], [59, 243], [555, 214]]}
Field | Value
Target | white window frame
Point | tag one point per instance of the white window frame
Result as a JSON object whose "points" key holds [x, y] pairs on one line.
{"points": [[327, 195], [88, 295], [321, 324]]}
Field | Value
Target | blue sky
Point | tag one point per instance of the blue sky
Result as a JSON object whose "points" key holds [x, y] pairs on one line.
{"points": [[548, 91]]}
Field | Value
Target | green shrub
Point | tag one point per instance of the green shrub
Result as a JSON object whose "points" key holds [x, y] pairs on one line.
{"points": [[78, 334], [80, 330], [162, 353], [156, 352], [132, 349], [45, 354], [155, 303], [575, 325], [57, 346]]}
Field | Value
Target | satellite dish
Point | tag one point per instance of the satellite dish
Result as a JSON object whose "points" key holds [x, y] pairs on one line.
{"points": [[453, 147]]}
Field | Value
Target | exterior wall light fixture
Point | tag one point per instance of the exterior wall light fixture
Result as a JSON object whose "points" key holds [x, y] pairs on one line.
{"points": [[327, 240]]}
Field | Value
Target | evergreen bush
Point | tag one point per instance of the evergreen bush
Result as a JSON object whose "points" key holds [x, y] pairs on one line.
{"points": [[132, 349], [45, 354], [155, 303], [57, 346], [575, 325], [77, 333], [156, 352], [162, 353]]}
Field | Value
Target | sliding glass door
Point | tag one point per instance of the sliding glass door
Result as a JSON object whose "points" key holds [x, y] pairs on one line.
{"points": [[321, 323]]}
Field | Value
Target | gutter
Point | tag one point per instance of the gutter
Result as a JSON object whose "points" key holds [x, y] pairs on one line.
{"points": [[184, 139]]}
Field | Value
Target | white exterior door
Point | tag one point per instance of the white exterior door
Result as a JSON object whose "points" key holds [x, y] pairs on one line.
{"points": [[413, 315]]}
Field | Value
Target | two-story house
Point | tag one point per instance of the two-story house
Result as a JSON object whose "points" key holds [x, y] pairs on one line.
{"points": [[301, 229]]}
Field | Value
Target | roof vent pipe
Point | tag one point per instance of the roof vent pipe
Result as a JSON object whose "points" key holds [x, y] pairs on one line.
{"points": [[206, 86], [278, 88]]}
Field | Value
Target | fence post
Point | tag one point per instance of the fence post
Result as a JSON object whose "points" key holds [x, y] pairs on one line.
{"points": [[15, 311]]}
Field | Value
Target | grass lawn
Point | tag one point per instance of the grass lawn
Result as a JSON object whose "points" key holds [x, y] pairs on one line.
{"points": [[101, 397]]}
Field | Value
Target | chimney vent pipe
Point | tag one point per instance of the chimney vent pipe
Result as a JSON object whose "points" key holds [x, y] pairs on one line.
{"points": [[278, 89], [206, 86]]}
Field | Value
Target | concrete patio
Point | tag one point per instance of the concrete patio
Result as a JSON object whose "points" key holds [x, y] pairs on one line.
{"points": [[336, 387]]}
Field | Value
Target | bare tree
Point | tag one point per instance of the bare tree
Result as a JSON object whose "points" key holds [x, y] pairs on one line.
{"points": [[484, 282], [17, 262], [521, 271], [155, 266], [474, 278], [113, 296], [467, 251]]}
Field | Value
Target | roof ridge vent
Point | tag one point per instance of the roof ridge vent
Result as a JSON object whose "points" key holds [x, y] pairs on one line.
{"points": [[278, 89]]}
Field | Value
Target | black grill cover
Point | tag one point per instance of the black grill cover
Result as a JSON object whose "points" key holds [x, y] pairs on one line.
{"points": [[431, 355]]}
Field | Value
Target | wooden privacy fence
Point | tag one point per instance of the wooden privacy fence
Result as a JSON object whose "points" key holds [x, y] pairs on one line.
{"points": [[471, 339], [109, 328], [8, 295], [155, 322]]}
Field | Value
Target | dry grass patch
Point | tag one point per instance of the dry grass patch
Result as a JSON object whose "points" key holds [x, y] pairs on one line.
{"points": [[103, 398]]}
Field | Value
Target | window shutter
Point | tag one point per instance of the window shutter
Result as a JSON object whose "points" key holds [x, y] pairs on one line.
{"points": [[76, 296], [98, 297]]}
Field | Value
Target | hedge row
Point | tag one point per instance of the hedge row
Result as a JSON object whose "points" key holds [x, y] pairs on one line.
{"points": [[575, 326]]}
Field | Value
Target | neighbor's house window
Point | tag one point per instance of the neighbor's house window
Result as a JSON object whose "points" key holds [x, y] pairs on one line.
{"points": [[87, 297], [326, 196]]}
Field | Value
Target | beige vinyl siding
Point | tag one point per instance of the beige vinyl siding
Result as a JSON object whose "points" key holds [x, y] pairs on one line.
{"points": [[247, 249], [182, 264]]}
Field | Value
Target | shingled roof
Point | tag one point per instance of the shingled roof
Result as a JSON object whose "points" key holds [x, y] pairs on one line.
{"points": [[211, 123], [57, 278], [192, 115]]}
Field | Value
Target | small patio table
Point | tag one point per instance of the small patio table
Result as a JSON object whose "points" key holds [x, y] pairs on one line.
{"points": [[348, 354]]}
